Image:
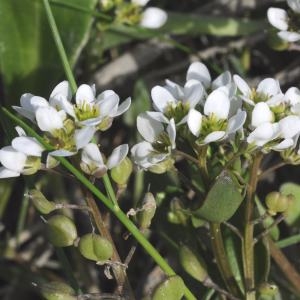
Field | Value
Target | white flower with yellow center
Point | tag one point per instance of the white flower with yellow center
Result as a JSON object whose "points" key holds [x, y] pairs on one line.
{"points": [[155, 152], [215, 124]]}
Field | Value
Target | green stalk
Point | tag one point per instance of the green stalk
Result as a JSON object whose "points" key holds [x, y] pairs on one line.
{"points": [[248, 241], [109, 204], [60, 47], [222, 259]]}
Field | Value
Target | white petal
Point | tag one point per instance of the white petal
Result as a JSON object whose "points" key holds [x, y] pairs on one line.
{"points": [[292, 96], [124, 106], [117, 156], [214, 136], [236, 122], [194, 121], [91, 155], [285, 144], [278, 18], [12, 159], [27, 145], [62, 88], [148, 127], [153, 17], [261, 114], [6, 173], [48, 119], [199, 71], [217, 103], [20, 131], [269, 86], [263, 134], [289, 36], [193, 93], [32, 103], [294, 5], [158, 116], [290, 126], [221, 80], [83, 136], [85, 93], [109, 105], [175, 89], [61, 153], [140, 2], [60, 102], [275, 100], [105, 94], [161, 98], [242, 85], [295, 109], [171, 129], [140, 153]]}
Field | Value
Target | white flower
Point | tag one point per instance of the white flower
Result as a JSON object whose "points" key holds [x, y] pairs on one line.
{"points": [[92, 161], [90, 110], [174, 101], [153, 18], [49, 119], [198, 71], [280, 19], [157, 147], [268, 90], [292, 96], [263, 134], [22, 157], [215, 124]]}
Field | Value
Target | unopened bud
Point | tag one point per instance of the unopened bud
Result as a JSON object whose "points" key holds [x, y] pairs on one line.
{"points": [[121, 173], [266, 290], [61, 231], [162, 167], [40, 202], [94, 247], [193, 264], [172, 289], [57, 290], [147, 212], [277, 202], [176, 215]]}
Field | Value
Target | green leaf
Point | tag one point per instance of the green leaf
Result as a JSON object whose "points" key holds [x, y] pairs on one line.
{"points": [[292, 214], [29, 60], [182, 24], [222, 200], [261, 260]]}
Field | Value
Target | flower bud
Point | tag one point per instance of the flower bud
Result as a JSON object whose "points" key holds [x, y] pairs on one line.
{"points": [[57, 290], [276, 203], [172, 289], [40, 202], [61, 231], [121, 173], [94, 247], [176, 214], [146, 214], [162, 167], [267, 290], [193, 264]]}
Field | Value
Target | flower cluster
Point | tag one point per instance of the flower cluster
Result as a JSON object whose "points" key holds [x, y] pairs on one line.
{"points": [[68, 127], [286, 21], [225, 110], [133, 13]]}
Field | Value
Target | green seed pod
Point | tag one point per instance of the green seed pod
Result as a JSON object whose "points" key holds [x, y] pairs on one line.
{"points": [[276, 203], [40, 202], [61, 231], [193, 264], [94, 247], [146, 214], [267, 291], [170, 289], [121, 173], [57, 291]]}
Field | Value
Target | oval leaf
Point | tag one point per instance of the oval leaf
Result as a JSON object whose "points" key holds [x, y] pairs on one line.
{"points": [[222, 200]]}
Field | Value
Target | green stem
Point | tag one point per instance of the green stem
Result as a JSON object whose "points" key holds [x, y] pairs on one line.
{"points": [[248, 241], [109, 189], [107, 202], [222, 259], [60, 47]]}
